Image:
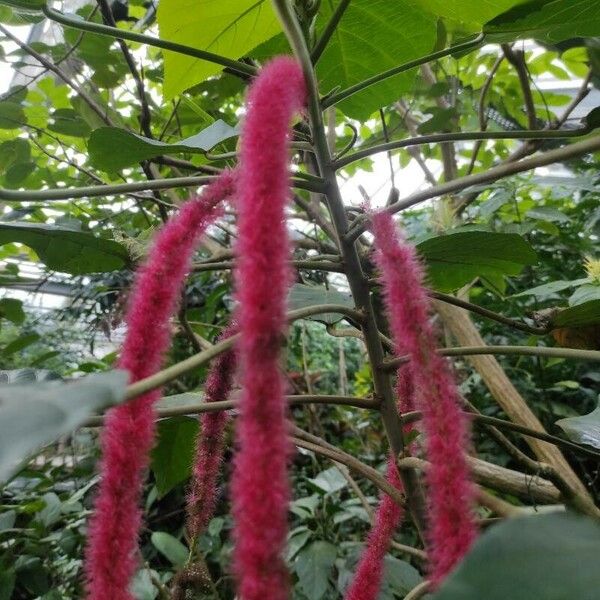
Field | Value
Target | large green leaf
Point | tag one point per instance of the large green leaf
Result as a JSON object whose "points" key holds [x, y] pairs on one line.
{"points": [[66, 250], [37, 414], [468, 13], [373, 36], [303, 296], [455, 259], [230, 28], [584, 429], [172, 456], [552, 21], [170, 547], [313, 566], [587, 313], [543, 557], [111, 149]]}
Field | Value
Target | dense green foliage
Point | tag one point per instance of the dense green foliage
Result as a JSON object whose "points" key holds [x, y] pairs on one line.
{"points": [[93, 128]]}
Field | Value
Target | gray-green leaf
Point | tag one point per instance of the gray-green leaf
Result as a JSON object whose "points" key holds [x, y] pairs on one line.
{"points": [[112, 149], [66, 250], [37, 414], [543, 557]]}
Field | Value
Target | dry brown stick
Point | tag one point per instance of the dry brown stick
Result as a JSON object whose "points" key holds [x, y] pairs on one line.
{"points": [[500, 386]]}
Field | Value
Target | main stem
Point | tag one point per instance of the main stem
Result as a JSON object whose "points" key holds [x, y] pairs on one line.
{"points": [[358, 282]]}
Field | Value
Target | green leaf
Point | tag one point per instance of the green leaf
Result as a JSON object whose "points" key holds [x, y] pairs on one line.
{"points": [[545, 213], [142, 587], [455, 259], [296, 541], [548, 289], [467, 11], [584, 429], [17, 173], [68, 122], [66, 250], [173, 454], [400, 576], [7, 519], [587, 313], [7, 583], [19, 344], [543, 557], [585, 293], [11, 115], [552, 21], [230, 29], [37, 414], [171, 548], [112, 149], [12, 309], [313, 567], [303, 296], [373, 36], [329, 481]]}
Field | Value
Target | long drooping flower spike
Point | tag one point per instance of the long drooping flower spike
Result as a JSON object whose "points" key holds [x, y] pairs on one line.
{"points": [[202, 493], [451, 528], [260, 482], [129, 429], [369, 572]]}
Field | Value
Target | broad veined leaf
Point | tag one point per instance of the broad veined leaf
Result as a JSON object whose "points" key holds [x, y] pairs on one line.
{"points": [[552, 21], [399, 575], [373, 36], [170, 547], [12, 309], [584, 429], [172, 456], [112, 149], [329, 481], [585, 293], [313, 566], [548, 289], [68, 122], [303, 296], [37, 414], [230, 28], [467, 11], [11, 115], [543, 557], [64, 249], [455, 259], [587, 313]]}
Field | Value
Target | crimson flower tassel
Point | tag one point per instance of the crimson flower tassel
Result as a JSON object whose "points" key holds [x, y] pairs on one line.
{"points": [[368, 578], [260, 484], [202, 495], [129, 429], [451, 528], [369, 573]]}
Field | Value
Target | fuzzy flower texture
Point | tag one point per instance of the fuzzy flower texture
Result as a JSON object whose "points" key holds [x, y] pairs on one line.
{"points": [[202, 494], [260, 487], [451, 527], [128, 434]]}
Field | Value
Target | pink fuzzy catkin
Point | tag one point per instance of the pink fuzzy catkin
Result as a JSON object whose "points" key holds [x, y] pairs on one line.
{"points": [[202, 494], [369, 572], [451, 528], [260, 484], [368, 578], [129, 429]]}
